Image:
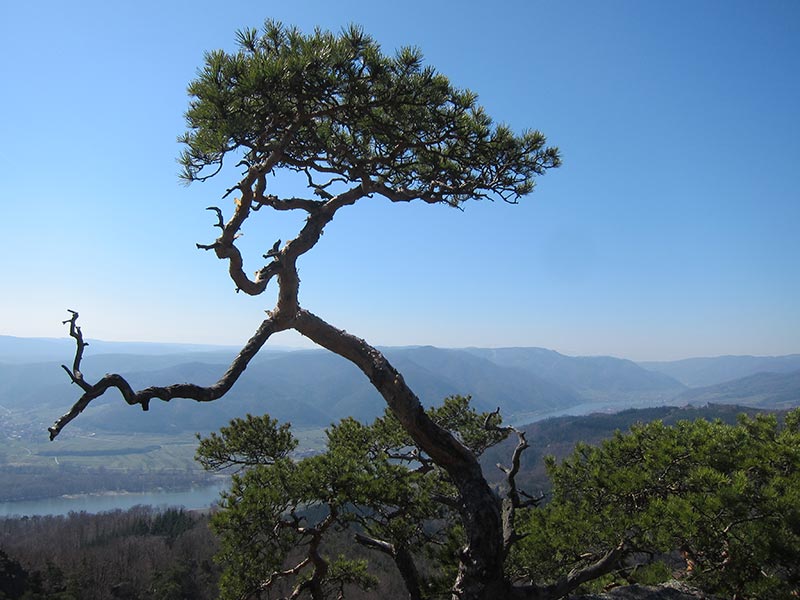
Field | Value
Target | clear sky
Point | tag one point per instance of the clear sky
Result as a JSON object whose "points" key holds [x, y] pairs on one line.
{"points": [[672, 230]]}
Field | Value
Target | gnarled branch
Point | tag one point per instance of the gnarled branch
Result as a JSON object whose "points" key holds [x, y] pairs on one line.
{"points": [[75, 332], [402, 558], [182, 390], [514, 497], [479, 507], [577, 577]]}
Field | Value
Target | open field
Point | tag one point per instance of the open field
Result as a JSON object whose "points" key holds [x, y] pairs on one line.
{"points": [[82, 461], [25, 443]]}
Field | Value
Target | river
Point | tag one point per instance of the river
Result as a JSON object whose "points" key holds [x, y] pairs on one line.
{"points": [[203, 497], [587, 408], [195, 498]]}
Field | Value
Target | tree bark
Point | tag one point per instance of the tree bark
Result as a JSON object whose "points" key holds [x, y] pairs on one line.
{"points": [[403, 560], [480, 575]]}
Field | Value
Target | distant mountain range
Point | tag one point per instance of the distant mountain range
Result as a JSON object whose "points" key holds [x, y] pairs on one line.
{"points": [[768, 390], [26, 350], [698, 372], [313, 388], [592, 377]]}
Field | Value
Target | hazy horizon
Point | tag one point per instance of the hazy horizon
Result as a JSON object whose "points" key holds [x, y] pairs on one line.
{"points": [[189, 346]]}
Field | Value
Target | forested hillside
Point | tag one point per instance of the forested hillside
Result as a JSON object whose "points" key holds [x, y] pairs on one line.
{"points": [[706, 371], [314, 388], [158, 554], [767, 390]]}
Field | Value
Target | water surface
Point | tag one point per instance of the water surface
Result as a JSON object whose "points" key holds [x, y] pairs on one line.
{"points": [[195, 498]]}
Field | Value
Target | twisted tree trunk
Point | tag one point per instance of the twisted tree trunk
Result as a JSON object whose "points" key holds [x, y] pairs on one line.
{"points": [[489, 532], [480, 574]]}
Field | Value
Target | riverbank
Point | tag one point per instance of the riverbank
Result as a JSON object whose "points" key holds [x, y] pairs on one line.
{"points": [[194, 498], [26, 483]]}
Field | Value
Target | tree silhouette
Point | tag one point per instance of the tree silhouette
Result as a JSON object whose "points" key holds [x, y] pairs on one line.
{"points": [[358, 125]]}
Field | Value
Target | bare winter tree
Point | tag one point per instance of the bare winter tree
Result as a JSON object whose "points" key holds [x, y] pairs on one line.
{"points": [[358, 125]]}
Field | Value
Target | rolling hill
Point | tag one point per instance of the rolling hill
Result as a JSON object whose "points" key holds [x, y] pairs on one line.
{"points": [[313, 388], [764, 390], [700, 372], [593, 377], [316, 388]]}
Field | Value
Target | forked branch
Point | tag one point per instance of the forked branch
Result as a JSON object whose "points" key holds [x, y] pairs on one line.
{"points": [[514, 496], [75, 332], [402, 558], [577, 577], [511, 473], [166, 393]]}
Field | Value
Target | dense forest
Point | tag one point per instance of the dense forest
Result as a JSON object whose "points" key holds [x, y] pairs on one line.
{"points": [[139, 554], [144, 553]]}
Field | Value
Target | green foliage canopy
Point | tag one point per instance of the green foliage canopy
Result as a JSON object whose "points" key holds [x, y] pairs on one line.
{"points": [[335, 107], [371, 480], [727, 498], [719, 504]]}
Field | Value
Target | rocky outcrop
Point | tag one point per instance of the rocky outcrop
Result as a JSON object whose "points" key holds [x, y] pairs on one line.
{"points": [[673, 590]]}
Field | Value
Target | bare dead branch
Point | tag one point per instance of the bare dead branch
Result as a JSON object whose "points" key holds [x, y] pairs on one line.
{"points": [[74, 331], [265, 585], [511, 473], [305, 204], [576, 577], [213, 246], [609, 562], [229, 191], [403, 559], [375, 544], [182, 390], [210, 175], [274, 251], [220, 222], [513, 500], [531, 500]]}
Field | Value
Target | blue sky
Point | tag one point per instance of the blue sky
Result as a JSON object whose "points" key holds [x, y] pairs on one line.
{"points": [[672, 230]]}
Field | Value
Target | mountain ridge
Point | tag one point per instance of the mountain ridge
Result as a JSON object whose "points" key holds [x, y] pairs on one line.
{"points": [[711, 370], [764, 389], [313, 387]]}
